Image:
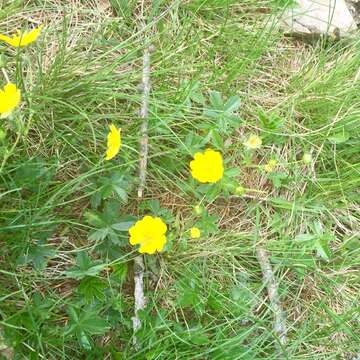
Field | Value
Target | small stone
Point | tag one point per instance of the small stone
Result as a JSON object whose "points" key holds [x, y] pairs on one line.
{"points": [[319, 17]]}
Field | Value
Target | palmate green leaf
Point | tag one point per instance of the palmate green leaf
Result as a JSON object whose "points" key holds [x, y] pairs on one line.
{"points": [[116, 184], [33, 175], [99, 235], [85, 266], [85, 323], [37, 255], [108, 222], [92, 288]]}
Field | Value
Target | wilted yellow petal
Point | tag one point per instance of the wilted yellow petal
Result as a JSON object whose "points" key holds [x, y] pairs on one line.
{"points": [[253, 142]]}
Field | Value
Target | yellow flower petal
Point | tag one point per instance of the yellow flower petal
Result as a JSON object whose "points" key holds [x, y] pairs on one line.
{"points": [[149, 233], [269, 167], [23, 38], [207, 167], [113, 142], [253, 142], [195, 233], [9, 99]]}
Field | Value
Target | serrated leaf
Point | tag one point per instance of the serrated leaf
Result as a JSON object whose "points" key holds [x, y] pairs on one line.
{"points": [[99, 235], [92, 288], [93, 218], [84, 323]]}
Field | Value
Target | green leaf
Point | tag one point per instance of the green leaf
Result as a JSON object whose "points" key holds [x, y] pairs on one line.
{"points": [[123, 226], [93, 218], [85, 266], [99, 235], [232, 172], [217, 140], [304, 237], [216, 100], [38, 255], [84, 323], [322, 247], [92, 288], [119, 273], [232, 104], [33, 175], [198, 97], [199, 339], [339, 138]]}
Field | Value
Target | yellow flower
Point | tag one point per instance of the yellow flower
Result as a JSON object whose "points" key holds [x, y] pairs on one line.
{"points": [[149, 233], [207, 167], [253, 142], [9, 99], [269, 167], [113, 142], [22, 38], [195, 233]]}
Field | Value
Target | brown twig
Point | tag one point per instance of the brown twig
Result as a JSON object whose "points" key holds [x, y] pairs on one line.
{"points": [[139, 266]]}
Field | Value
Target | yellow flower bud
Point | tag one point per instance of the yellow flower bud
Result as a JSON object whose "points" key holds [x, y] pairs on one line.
{"points": [[195, 233]]}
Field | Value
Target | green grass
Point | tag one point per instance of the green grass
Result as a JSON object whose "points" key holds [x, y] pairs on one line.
{"points": [[67, 293]]}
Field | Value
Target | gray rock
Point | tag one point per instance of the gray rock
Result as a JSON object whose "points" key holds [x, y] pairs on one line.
{"points": [[319, 17]]}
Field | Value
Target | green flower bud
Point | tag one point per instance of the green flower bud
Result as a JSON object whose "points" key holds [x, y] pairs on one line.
{"points": [[198, 209], [240, 190], [307, 158]]}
